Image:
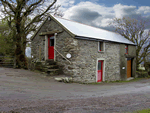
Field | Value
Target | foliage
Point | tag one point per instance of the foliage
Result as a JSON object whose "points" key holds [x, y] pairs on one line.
{"points": [[6, 41], [142, 74], [134, 30], [23, 17]]}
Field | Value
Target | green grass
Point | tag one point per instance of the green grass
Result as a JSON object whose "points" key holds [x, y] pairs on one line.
{"points": [[142, 111], [117, 81]]}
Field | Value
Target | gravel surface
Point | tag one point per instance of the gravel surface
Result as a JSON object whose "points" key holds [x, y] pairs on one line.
{"points": [[28, 92]]}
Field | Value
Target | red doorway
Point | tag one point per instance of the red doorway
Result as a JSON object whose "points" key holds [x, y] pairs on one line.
{"points": [[50, 47], [100, 71]]}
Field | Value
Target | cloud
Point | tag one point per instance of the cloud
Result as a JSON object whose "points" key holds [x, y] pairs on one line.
{"points": [[124, 10], [89, 13], [84, 15], [144, 9], [65, 4], [100, 15]]}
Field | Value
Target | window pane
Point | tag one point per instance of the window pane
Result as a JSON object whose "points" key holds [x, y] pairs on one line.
{"points": [[126, 50], [99, 65], [51, 42], [99, 46], [52, 37]]}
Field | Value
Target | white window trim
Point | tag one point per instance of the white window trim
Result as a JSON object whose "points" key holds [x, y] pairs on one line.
{"points": [[103, 68], [103, 47]]}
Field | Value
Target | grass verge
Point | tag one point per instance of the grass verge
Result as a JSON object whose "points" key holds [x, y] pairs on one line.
{"points": [[142, 111], [117, 81]]}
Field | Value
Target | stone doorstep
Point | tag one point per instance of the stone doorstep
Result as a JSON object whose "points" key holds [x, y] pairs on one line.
{"points": [[52, 69], [50, 63], [130, 78], [51, 66]]}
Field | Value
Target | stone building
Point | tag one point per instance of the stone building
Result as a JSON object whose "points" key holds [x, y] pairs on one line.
{"points": [[85, 53]]}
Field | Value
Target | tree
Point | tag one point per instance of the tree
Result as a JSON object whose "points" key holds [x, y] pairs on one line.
{"points": [[23, 17], [135, 31]]}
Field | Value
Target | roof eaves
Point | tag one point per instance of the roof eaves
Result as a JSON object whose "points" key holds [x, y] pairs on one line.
{"points": [[96, 39]]}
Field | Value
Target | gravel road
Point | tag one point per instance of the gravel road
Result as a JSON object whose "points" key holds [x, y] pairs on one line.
{"points": [[28, 92]]}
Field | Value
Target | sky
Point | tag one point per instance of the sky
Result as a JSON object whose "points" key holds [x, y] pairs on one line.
{"points": [[99, 13]]}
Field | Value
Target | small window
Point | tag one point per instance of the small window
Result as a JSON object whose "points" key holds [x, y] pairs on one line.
{"points": [[99, 65], [101, 46], [52, 41], [126, 49]]}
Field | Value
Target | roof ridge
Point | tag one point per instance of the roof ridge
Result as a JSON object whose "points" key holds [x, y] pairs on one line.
{"points": [[84, 24]]}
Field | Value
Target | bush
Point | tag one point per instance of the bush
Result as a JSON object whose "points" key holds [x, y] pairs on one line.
{"points": [[142, 74]]}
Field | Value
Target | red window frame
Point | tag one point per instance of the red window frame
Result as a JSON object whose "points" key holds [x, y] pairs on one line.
{"points": [[126, 49]]}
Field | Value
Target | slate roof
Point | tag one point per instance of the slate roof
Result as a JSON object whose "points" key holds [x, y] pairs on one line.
{"points": [[82, 30]]}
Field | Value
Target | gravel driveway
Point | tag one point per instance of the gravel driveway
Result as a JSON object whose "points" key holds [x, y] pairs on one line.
{"points": [[29, 92]]}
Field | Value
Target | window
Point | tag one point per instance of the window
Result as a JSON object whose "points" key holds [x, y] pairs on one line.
{"points": [[99, 65], [52, 41], [126, 49], [100, 46]]}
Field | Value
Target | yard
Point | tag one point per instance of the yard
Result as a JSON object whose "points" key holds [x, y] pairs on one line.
{"points": [[26, 91]]}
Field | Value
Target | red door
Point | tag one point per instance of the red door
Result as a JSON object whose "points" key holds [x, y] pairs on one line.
{"points": [[100, 71], [51, 47]]}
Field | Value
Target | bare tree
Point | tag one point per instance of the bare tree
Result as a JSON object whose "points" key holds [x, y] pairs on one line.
{"points": [[135, 31], [23, 17]]}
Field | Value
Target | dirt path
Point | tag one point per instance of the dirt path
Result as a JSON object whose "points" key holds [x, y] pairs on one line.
{"points": [[26, 91]]}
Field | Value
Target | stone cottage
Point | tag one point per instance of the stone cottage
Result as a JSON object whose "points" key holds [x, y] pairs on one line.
{"points": [[85, 53]]}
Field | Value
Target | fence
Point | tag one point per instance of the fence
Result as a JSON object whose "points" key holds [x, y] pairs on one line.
{"points": [[7, 61]]}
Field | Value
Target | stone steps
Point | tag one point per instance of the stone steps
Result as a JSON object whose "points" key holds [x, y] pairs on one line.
{"points": [[51, 67]]}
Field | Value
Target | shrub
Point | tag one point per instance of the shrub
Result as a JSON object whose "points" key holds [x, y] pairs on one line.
{"points": [[142, 74]]}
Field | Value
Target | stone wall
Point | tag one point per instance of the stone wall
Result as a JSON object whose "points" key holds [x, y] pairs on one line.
{"points": [[85, 63], [37, 48], [65, 43], [123, 60], [39, 41]]}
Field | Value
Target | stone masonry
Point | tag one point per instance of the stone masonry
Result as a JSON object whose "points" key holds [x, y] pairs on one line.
{"points": [[86, 60]]}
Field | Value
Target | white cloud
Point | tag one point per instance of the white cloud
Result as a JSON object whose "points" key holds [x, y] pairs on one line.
{"points": [[123, 10], [89, 13], [144, 9], [100, 15], [65, 4]]}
